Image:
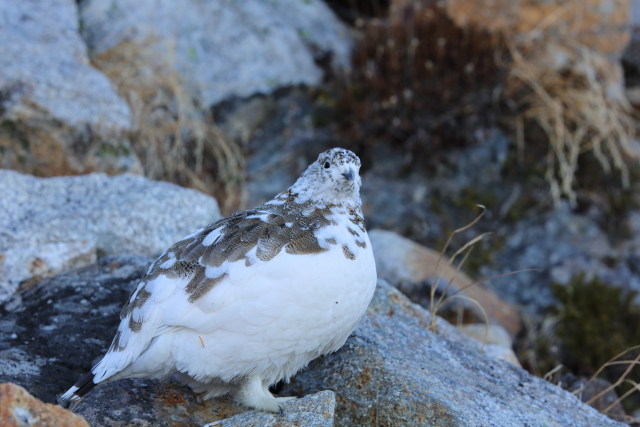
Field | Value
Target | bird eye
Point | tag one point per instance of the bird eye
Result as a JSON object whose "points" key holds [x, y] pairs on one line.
{"points": [[327, 165]]}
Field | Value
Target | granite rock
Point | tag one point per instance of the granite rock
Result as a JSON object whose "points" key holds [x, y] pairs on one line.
{"points": [[312, 410], [51, 98], [48, 225], [225, 48], [394, 371], [554, 247]]}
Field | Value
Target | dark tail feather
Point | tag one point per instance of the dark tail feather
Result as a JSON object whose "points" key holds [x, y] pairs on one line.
{"points": [[72, 397]]}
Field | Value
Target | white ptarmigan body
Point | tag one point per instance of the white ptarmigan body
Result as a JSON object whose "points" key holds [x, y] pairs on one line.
{"points": [[251, 299]]}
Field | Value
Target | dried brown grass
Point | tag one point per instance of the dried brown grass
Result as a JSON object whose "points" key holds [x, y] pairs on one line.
{"points": [[32, 151], [629, 364], [173, 135], [575, 97], [436, 303], [46, 149], [448, 286]]}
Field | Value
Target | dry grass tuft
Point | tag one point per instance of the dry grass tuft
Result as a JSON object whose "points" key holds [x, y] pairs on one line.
{"points": [[632, 387], [33, 151], [441, 294], [575, 97], [436, 303], [46, 149], [174, 137]]}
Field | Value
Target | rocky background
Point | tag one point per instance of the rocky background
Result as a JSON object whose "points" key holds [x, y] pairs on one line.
{"points": [[125, 125]]}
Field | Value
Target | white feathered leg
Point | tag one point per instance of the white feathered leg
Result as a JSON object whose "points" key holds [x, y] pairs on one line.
{"points": [[254, 393]]}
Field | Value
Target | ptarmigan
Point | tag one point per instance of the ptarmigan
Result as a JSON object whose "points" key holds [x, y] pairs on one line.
{"points": [[251, 299]]}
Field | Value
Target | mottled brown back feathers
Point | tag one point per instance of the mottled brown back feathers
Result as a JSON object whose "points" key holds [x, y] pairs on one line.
{"points": [[269, 229]]}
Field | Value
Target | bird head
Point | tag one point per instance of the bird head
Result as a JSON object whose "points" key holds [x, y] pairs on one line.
{"points": [[332, 178]]}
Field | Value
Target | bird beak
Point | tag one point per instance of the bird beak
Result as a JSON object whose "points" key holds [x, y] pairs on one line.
{"points": [[349, 175]]}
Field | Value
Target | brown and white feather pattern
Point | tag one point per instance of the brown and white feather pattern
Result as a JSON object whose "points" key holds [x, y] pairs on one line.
{"points": [[259, 233], [248, 284]]}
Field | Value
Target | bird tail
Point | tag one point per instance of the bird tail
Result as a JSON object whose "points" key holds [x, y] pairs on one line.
{"points": [[72, 397]]}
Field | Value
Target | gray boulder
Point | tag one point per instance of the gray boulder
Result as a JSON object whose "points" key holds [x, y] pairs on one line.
{"points": [[394, 371], [224, 48], [48, 225], [554, 247], [51, 97]]}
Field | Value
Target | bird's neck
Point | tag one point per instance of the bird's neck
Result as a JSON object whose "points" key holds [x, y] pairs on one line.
{"points": [[291, 196]]}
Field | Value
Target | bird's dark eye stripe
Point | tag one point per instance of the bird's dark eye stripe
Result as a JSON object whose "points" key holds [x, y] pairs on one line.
{"points": [[327, 165]]}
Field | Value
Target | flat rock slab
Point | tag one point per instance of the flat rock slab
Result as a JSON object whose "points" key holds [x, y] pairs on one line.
{"points": [[394, 371], [64, 324], [48, 225]]}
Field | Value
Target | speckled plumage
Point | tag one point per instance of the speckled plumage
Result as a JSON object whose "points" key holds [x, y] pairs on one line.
{"points": [[249, 300]]}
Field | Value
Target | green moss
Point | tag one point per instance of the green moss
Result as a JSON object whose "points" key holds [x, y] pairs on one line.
{"points": [[125, 149], [596, 321], [529, 173], [520, 210], [324, 111], [13, 131], [113, 149], [436, 205], [545, 358]]}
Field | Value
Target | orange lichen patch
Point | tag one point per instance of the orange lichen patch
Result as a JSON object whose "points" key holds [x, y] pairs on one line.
{"points": [[178, 403], [365, 378], [172, 397]]}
